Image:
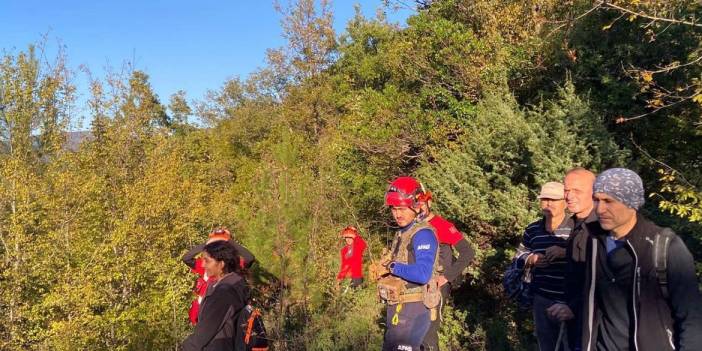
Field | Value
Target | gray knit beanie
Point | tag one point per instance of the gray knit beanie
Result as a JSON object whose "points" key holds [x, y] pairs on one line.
{"points": [[622, 184]]}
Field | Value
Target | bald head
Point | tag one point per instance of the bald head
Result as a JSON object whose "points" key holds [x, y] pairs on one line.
{"points": [[578, 191], [582, 172]]}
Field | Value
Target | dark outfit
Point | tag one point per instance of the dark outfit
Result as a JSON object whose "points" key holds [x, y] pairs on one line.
{"points": [[548, 283], [217, 325], [624, 307], [451, 267], [575, 273], [246, 259]]}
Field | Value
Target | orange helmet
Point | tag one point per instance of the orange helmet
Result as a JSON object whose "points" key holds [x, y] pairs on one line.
{"points": [[220, 233], [350, 232]]}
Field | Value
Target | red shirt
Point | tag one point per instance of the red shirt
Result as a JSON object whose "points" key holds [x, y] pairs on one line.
{"points": [[199, 290], [352, 259], [445, 231]]}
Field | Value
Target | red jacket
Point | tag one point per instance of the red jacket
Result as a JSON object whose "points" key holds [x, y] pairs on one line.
{"points": [[200, 289], [352, 259], [445, 231], [451, 238]]}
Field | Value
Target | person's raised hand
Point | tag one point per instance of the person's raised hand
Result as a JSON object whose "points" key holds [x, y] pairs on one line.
{"points": [[216, 238]]}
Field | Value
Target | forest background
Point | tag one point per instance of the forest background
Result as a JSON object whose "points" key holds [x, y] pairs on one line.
{"points": [[482, 100]]}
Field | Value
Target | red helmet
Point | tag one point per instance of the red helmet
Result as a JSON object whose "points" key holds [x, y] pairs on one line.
{"points": [[405, 192]]}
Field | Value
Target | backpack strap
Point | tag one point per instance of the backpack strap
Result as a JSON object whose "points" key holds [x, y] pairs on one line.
{"points": [[249, 325], [660, 258]]}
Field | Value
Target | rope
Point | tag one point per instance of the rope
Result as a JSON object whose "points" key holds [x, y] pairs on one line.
{"points": [[562, 338]]}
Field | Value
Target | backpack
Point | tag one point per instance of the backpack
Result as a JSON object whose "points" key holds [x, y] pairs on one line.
{"points": [[660, 259], [250, 331], [517, 283]]}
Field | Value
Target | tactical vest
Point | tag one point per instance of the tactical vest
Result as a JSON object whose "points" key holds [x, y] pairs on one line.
{"points": [[402, 249]]}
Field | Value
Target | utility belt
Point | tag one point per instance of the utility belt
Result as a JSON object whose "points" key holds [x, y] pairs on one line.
{"points": [[393, 290]]}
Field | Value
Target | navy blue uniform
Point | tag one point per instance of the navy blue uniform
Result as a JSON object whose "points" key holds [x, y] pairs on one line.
{"points": [[407, 323]]}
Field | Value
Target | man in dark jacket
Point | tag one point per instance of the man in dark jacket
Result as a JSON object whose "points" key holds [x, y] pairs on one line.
{"points": [[625, 307], [451, 267], [578, 194]]}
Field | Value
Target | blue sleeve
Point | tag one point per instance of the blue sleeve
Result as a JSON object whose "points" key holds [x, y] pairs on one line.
{"points": [[425, 246]]}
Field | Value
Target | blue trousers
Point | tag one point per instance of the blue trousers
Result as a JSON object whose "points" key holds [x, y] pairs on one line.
{"points": [[407, 323]]}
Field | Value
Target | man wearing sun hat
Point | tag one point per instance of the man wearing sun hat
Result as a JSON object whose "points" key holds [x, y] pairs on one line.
{"points": [[543, 251], [641, 291]]}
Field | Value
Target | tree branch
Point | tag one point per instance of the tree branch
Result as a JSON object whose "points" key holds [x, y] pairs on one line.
{"points": [[621, 120], [665, 165], [651, 17], [676, 66], [595, 7]]}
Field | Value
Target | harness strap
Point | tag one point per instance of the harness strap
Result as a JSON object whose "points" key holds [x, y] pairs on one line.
{"points": [[412, 297], [249, 326], [660, 259]]}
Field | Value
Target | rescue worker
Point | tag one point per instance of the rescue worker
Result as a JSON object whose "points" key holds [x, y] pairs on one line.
{"points": [[450, 267], [409, 288], [352, 256]]}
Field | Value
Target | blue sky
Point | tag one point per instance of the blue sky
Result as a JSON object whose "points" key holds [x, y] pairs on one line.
{"points": [[190, 45]]}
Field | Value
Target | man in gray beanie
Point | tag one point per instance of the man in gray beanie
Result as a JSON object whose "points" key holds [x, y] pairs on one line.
{"points": [[641, 292]]}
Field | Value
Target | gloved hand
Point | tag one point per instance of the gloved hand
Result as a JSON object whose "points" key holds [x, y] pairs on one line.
{"points": [[555, 252]]}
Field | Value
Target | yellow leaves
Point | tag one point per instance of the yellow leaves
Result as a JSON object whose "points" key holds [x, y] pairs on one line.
{"points": [[655, 102], [666, 176], [698, 99], [607, 26], [682, 198], [647, 76]]}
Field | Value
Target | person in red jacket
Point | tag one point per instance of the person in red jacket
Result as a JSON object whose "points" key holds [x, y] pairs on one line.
{"points": [[450, 239], [352, 256], [196, 264]]}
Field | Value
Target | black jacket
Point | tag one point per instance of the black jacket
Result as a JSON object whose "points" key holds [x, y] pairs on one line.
{"points": [[453, 267], [658, 324], [576, 257], [216, 325]]}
